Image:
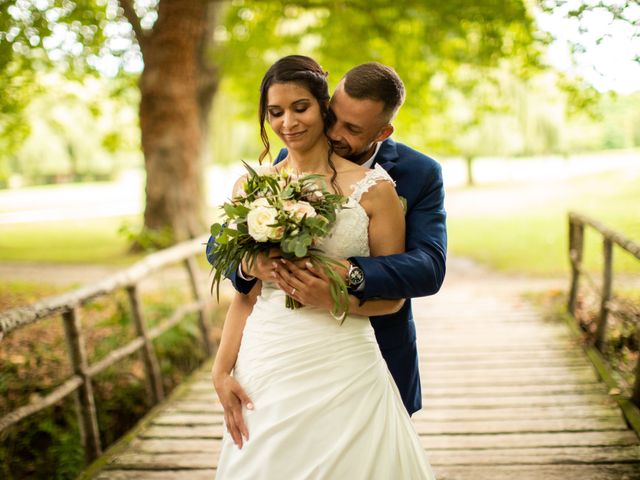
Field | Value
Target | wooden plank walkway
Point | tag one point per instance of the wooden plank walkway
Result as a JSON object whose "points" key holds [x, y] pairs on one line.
{"points": [[506, 396]]}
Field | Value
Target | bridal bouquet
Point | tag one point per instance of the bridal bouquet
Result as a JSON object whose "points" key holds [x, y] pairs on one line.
{"points": [[281, 210]]}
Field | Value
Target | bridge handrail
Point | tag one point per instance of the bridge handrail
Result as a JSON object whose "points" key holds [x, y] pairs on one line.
{"points": [[69, 304], [577, 224]]}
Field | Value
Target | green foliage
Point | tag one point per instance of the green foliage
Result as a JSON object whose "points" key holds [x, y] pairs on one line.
{"points": [[457, 59], [75, 131], [146, 239], [34, 360], [43, 446], [437, 48], [18, 86], [46, 36]]}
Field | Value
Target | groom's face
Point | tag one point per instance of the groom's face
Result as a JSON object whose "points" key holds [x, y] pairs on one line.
{"points": [[357, 126]]}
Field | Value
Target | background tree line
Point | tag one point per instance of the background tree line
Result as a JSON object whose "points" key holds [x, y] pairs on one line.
{"points": [[474, 73]]}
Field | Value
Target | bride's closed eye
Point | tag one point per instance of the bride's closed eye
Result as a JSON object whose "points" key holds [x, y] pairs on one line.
{"points": [[278, 113], [301, 105]]}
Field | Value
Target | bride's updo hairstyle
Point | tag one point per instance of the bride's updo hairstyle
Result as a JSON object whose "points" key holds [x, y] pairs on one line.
{"points": [[299, 69]]}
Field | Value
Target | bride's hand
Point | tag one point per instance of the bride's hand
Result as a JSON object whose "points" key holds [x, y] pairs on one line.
{"points": [[262, 267], [305, 282], [232, 397]]}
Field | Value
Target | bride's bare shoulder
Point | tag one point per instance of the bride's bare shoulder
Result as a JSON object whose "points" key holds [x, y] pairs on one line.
{"points": [[238, 186]]}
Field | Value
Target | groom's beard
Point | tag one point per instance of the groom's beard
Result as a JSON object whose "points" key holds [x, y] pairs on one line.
{"points": [[344, 150]]}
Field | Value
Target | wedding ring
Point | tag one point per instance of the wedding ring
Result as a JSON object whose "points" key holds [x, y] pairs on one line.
{"points": [[293, 292]]}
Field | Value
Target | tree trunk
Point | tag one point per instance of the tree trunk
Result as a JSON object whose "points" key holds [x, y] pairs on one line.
{"points": [[176, 85], [469, 165]]}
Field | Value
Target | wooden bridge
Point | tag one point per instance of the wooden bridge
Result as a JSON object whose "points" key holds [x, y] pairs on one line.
{"points": [[507, 395]]}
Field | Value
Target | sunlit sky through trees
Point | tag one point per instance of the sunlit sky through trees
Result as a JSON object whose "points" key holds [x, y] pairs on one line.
{"points": [[610, 55]]}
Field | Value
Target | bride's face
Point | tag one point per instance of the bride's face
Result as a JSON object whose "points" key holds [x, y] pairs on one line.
{"points": [[294, 115]]}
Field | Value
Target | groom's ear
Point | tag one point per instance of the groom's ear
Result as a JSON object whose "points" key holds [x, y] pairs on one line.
{"points": [[384, 133]]}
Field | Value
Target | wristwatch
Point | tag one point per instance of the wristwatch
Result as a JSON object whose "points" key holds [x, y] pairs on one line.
{"points": [[355, 277]]}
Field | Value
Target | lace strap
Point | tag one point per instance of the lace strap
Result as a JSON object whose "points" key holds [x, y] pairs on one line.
{"points": [[373, 176]]}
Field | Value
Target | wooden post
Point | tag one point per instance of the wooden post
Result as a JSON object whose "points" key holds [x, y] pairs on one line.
{"points": [[601, 332], [576, 246], [84, 395], [635, 396], [151, 366], [203, 320]]}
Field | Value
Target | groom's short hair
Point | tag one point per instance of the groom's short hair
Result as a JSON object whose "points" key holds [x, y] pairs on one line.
{"points": [[378, 82]]}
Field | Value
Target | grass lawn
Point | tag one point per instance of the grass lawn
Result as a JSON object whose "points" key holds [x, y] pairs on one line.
{"points": [[91, 241], [77, 241], [523, 228], [511, 227]]}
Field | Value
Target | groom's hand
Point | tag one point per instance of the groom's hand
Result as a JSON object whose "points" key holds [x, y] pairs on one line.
{"points": [[305, 282], [232, 397], [262, 267]]}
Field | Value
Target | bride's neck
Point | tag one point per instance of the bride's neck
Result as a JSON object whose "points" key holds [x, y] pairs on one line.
{"points": [[313, 160]]}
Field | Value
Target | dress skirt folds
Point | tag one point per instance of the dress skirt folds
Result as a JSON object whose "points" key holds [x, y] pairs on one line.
{"points": [[325, 404]]}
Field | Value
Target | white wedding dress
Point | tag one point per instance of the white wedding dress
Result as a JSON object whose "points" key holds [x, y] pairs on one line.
{"points": [[326, 406]]}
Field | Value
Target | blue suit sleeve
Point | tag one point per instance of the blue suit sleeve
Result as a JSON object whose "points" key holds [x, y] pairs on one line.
{"points": [[282, 154], [421, 269]]}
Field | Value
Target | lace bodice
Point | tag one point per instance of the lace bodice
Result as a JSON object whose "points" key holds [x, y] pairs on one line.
{"points": [[350, 236]]}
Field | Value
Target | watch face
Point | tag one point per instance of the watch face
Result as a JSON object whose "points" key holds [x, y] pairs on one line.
{"points": [[356, 276]]}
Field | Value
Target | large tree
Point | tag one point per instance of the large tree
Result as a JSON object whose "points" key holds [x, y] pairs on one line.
{"points": [[177, 84], [185, 45], [177, 87]]}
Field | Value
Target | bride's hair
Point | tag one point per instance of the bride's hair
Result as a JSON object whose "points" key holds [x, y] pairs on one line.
{"points": [[309, 74]]}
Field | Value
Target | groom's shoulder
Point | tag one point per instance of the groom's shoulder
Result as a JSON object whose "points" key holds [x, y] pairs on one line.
{"points": [[410, 158]]}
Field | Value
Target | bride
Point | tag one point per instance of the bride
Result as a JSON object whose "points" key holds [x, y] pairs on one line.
{"points": [[324, 405]]}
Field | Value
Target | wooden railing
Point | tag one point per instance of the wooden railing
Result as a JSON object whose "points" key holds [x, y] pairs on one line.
{"points": [[577, 224], [69, 306]]}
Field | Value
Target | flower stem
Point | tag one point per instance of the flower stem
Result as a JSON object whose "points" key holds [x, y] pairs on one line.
{"points": [[292, 303]]}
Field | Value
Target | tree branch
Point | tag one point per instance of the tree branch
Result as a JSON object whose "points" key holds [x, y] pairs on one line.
{"points": [[132, 17]]}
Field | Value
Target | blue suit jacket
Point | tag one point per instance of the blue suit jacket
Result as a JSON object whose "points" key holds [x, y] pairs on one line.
{"points": [[417, 272]]}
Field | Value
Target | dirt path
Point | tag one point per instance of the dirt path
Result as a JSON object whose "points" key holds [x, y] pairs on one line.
{"points": [[59, 275]]}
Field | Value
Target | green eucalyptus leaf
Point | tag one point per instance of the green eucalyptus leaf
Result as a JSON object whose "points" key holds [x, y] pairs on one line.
{"points": [[300, 250], [216, 228]]}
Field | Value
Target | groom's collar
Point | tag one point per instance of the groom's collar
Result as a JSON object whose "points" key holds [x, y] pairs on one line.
{"points": [[369, 163], [387, 155]]}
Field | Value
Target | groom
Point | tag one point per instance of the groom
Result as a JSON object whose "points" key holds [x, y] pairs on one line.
{"points": [[364, 104]]}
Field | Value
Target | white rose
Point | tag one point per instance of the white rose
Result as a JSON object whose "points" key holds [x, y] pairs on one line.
{"points": [[276, 233], [259, 202], [299, 209], [259, 220]]}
